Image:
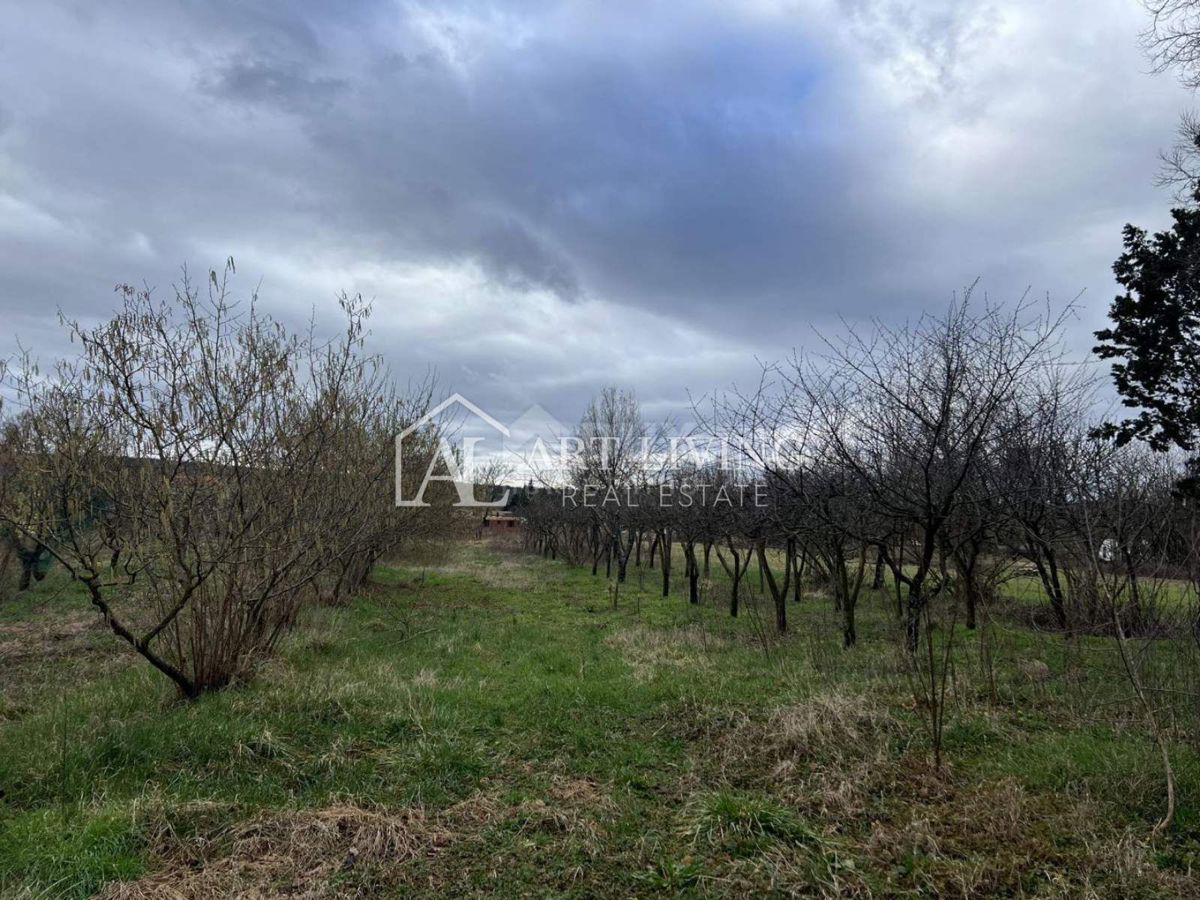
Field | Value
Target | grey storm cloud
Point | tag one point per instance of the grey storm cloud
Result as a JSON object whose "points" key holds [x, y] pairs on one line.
{"points": [[285, 85], [544, 197]]}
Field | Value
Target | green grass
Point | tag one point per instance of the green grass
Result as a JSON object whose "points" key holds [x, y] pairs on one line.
{"points": [[1028, 588], [531, 739]]}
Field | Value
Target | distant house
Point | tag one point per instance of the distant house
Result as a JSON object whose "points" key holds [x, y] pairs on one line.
{"points": [[503, 519]]}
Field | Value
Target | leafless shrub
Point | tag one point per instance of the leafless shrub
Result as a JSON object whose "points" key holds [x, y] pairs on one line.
{"points": [[203, 472]]}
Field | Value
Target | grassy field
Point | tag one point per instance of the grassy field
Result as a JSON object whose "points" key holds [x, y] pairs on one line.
{"points": [[492, 725]]}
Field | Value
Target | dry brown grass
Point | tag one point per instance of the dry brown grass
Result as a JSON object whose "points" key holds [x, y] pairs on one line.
{"points": [[644, 648], [49, 652], [826, 755], [576, 807], [497, 569], [573, 810], [835, 721], [992, 838], [845, 765], [67, 635], [920, 834], [476, 813], [297, 854], [344, 850]]}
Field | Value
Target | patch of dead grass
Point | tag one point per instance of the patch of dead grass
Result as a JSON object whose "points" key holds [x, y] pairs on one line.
{"points": [[495, 569], [296, 854], [573, 810], [48, 651], [343, 850], [645, 648], [579, 792], [996, 838], [49, 639], [841, 761], [827, 754], [836, 721]]}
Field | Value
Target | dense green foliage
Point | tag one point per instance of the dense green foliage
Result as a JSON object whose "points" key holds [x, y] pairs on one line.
{"points": [[1154, 340]]}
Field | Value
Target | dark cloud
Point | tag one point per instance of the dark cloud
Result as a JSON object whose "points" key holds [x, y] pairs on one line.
{"points": [[285, 85], [547, 196]]}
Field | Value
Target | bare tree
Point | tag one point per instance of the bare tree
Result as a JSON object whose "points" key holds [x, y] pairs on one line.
{"points": [[1124, 556], [912, 411], [616, 452], [209, 470], [1172, 40]]}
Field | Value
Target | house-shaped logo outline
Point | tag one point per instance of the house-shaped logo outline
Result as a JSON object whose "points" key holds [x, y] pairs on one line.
{"points": [[454, 399], [446, 404]]}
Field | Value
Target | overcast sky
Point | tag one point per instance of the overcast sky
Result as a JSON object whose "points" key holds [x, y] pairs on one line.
{"points": [[546, 197]]}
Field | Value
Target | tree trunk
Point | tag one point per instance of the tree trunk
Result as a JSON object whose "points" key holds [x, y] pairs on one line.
{"points": [[735, 574], [664, 551], [798, 566], [622, 557], [779, 593], [186, 686], [912, 624], [693, 571], [1047, 568], [898, 577]]}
